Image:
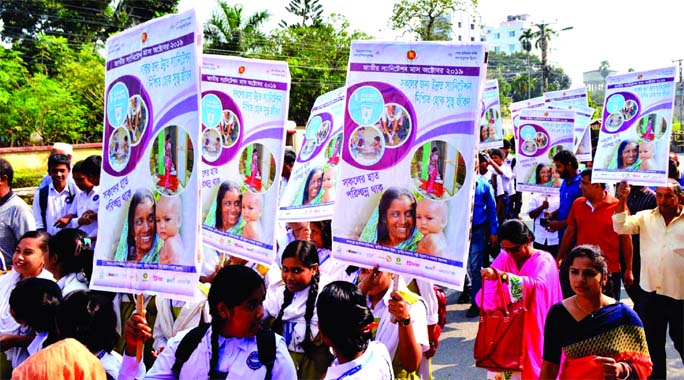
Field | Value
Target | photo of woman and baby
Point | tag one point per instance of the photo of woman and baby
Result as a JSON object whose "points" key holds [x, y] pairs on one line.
{"points": [[236, 211], [151, 232], [257, 168]]}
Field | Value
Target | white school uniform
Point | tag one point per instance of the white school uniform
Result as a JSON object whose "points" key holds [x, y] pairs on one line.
{"points": [[82, 203], [375, 363], [388, 332], [190, 315], [237, 356], [211, 258], [111, 362], [334, 270], [72, 282], [294, 324]]}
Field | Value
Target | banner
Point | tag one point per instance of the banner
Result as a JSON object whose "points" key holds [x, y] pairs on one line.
{"points": [[401, 196], [244, 110], [310, 192], [516, 107], [576, 97], [150, 180], [542, 134], [634, 140], [491, 130], [581, 132]]}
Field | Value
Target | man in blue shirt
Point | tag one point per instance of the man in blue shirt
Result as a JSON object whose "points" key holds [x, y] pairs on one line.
{"points": [[566, 165], [484, 227]]}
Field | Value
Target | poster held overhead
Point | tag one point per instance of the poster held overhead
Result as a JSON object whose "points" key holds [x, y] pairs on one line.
{"points": [[150, 177], [491, 130], [403, 186]]}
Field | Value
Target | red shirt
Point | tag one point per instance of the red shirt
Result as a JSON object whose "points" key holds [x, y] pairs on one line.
{"points": [[596, 227]]}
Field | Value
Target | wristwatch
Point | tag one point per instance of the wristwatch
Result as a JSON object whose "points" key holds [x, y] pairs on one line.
{"points": [[405, 322]]}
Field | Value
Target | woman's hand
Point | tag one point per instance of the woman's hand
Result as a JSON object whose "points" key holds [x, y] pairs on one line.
{"points": [[488, 274], [397, 307], [136, 331], [611, 368]]}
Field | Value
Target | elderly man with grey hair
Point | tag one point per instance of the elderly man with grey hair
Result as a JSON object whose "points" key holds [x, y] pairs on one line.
{"points": [[16, 217]]}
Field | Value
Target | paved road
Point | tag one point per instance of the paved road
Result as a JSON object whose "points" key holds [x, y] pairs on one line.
{"points": [[454, 358]]}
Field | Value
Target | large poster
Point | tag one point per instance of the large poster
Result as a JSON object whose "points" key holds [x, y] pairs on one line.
{"points": [[401, 197], [150, 178], [491, 130], [244, 110], [310, 192], [576, 97], [516, 107], [542, 134], [634, 140]]}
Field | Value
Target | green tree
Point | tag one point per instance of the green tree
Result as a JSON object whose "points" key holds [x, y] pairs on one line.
{"points": [[317, 58], [513, 68], [228, 32], [310, 11], [427, 20], [13, 76]]}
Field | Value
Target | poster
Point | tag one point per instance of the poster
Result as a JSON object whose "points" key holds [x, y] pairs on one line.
{"points": [[634, 141], [244, 110], [542, 134], [310, 192], [581, 132], [576, 97], [516, 107], [491, 130], [401, 203], [150, 178]]}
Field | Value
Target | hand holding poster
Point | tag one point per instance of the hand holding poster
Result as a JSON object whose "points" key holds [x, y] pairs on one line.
{"points": [[542, 134], [310, 192], [149, 177], [244, 109], [403, 186], [491, 131], [635, 135]]}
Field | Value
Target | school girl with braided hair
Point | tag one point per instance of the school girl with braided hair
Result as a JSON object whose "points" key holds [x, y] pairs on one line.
{"points": [[225, 349], [293, 305]]}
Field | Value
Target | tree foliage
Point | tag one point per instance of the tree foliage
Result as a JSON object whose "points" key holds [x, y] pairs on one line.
{"points": [[310, 12], [228, 31], [426, 20], [514, 68]]}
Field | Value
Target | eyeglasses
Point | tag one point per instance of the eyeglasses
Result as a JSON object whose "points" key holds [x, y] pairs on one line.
{"points": [[514, 249]]}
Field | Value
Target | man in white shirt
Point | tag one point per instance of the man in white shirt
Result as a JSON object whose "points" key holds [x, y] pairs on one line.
{"points": [[15, 216], [661, 234], [539, 208], [56, 198], [58, 148]]}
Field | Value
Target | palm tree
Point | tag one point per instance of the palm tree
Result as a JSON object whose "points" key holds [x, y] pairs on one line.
{"points": [[543, 36], [227, 32], [526, 41]]}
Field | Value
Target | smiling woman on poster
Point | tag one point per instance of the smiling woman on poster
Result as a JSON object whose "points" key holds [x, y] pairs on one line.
{"points": [[229, 208], [312, 187], [393, 224], [140, 231], [627, 156]]}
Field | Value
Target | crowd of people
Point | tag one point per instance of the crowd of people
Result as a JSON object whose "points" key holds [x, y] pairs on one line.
{"points": [[309, 316]]}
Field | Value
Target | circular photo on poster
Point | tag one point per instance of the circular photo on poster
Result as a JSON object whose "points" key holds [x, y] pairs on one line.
{"points": [[171, 160], [136, 118], [323, 132], [395, 124], [651, 127], [629, 110], [333, 151], [541, 139], [438, 170], [229, 128], [614, 122], [308, 148], [365, 105], [366, 145], [211, 144], [119, 149], [552, 152], [257, 168], [529, 147]]}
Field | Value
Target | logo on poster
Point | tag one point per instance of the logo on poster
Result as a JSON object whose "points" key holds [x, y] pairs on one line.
{"points": [[241, 70], [143, 37], [145, 276], [388, 258], [411, 55], [412, 264]]}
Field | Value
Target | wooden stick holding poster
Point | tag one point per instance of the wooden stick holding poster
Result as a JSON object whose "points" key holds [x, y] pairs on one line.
{"points": [[149, 181], [419, 105]]}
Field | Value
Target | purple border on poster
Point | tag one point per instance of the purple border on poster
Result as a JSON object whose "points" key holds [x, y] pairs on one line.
{"points": [[415, 69], [641, 82], [149, 51], [248, 82]]}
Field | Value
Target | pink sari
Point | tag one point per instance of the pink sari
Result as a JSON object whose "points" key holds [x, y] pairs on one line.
{"points": [[539, 273]]}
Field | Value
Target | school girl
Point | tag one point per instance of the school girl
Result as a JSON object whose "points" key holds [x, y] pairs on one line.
{"points": [[293, 307], [70, 259], [228, 347], [330, 268], [346, 324]]}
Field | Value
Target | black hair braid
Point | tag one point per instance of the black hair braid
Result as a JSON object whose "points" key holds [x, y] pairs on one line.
{"points": [[213, 363], [307, 344], [278, 322]]}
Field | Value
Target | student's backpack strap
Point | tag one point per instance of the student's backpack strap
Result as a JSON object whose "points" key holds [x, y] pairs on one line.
{"points": [[266, 345], [42, 201], [187, 346]]}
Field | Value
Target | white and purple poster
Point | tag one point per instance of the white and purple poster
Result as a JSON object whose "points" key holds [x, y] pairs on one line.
{"points": [[402, 190], [634, 141], [576, 97], [516, 107], [491, 130], [244, 110], [150, 174], [542, 134], [582, 134], [310, 192]]}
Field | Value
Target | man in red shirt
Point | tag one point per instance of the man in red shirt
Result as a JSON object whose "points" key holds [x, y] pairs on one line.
{"points": [[591, 222]]}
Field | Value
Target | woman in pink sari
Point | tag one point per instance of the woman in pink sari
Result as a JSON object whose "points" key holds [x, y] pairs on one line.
{"points": [[526, 272]]}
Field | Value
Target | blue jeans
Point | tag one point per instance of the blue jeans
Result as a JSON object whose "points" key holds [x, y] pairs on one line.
{"points": [[478, 248]]}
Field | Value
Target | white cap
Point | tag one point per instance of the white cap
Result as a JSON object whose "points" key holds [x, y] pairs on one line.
{"points": [[63, 147]]}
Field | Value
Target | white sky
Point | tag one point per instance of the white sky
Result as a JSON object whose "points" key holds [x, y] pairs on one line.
{"points": [[628, 34]]}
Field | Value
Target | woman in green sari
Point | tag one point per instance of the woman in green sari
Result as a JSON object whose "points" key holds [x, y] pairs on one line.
{"points": [[397, 219], [627, 157], [141, 243]]}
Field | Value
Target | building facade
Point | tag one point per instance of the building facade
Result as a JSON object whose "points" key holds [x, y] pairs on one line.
{"points": [[505, 38]]}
